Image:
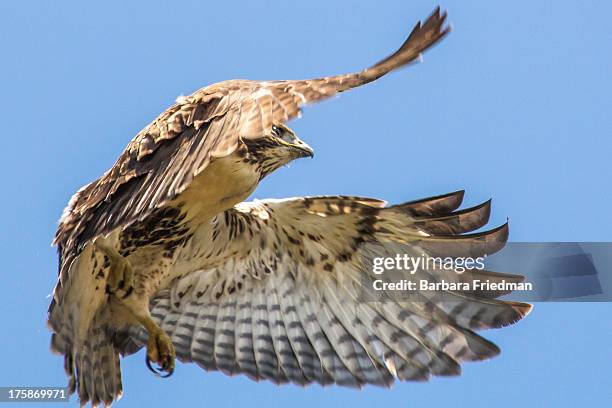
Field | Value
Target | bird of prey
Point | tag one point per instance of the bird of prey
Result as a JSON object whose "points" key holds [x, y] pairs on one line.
{"points": [[161, 252]]}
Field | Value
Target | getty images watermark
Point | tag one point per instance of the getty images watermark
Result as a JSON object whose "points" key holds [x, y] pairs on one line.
{"points": [[527, 271], [409, 265]]}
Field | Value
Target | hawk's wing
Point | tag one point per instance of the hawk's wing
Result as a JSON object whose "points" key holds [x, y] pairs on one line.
{"points": [[161, 161], [281, 300]]}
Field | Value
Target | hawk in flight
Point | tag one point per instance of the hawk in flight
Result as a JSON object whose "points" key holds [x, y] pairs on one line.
{"points": [[161, 252]]}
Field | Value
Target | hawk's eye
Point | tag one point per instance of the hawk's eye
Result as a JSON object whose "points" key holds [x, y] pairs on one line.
{"points": [[277, 131]]}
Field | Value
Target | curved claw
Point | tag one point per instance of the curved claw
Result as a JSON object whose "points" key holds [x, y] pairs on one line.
{"points": [[159, 372], [150, 367], [168, 374]]}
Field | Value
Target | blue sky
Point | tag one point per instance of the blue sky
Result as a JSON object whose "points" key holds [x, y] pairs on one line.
{"points": [[515, 105]]}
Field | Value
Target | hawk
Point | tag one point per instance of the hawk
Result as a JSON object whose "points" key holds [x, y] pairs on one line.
{"points": [[161, 252]]}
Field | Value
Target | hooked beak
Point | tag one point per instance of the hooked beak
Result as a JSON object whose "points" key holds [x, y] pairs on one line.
{"points": [[303, 150]]}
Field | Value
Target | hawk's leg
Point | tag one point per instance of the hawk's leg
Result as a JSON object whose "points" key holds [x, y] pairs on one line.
{"points": [[160, 349], [120, 280]]}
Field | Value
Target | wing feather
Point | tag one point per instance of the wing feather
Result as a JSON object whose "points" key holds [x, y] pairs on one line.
{"points": [[287, 304], [360, 358], [245, 355], [300, 343], [266, 356], [332, 368], [282, 345], [224, 352], [202, 348]]}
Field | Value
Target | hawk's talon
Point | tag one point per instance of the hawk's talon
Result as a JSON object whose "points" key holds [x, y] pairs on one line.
{"points": [[150, 367], [161, 351], [158, 372]]}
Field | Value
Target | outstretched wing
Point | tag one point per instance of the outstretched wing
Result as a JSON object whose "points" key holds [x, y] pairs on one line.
{"points": [[277, 293], [161, 161]]}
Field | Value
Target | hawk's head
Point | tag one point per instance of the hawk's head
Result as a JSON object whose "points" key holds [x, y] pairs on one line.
{"points": [[276, 148]]}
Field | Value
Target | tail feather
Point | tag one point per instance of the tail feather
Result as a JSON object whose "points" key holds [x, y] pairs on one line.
{"points": [[98, 373], [93, 367]]}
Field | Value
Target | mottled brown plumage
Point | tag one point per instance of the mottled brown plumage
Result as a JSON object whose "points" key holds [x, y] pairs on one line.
{"points": [[161, 161], [161, 251]]}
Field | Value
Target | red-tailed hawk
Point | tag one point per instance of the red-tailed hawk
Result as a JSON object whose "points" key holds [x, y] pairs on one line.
{"points": [[161, 252]]}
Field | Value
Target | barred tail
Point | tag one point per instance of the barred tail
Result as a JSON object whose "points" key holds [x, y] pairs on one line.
{"points": [[93, 367]]}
